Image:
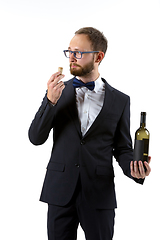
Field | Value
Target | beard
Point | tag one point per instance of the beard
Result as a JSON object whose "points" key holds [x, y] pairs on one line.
{"points": [[81, 71]]}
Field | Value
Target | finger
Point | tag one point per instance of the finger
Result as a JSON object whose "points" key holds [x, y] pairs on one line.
{"points": [[131, 167], [141, 170], [60, 89], [54, 82], [59, 73], [136, 170], [54, 77], [59, 85], [148, 168], [58, 78], [136, 167], [149, 160]]}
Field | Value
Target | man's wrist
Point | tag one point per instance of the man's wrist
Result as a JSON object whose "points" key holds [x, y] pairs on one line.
{"points": [[50, 103]]}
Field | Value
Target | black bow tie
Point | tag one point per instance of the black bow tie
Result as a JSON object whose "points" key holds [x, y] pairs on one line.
{"points": [[78, 83]]}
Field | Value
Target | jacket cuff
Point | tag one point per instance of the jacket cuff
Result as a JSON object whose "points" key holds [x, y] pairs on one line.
{"points": [[140, 180]]}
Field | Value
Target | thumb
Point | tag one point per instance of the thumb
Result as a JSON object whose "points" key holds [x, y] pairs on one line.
{"points": [[149, 159]]}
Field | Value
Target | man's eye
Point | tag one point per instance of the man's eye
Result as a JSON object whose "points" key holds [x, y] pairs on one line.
{"points": [[78, 53]]}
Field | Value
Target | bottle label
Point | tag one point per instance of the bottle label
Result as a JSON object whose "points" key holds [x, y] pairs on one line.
{"points": [[146, 146], [141, 150]]}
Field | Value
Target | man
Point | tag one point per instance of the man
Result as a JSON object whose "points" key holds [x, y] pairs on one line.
{"points": [[91, 124]]}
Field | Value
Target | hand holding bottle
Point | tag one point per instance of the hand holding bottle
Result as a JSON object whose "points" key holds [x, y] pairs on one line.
{"points": [[137, 168], [140, 165]]}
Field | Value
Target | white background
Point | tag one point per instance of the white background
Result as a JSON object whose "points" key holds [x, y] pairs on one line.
{"points": [[33, 34]]}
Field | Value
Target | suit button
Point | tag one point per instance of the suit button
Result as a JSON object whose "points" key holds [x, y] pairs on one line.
{"points": [[82, 142], [77, 165]]}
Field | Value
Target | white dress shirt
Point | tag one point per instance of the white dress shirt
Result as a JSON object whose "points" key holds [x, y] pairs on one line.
{"points": [[89, 104]]}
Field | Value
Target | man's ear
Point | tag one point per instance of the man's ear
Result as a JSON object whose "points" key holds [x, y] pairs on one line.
{"points": [[99, 57]]}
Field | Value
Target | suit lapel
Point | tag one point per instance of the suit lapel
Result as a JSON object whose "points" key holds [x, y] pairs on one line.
{"points": [[108, 101], [70, 98]]}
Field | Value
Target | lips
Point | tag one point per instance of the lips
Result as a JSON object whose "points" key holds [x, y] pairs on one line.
{"points": [[74, 66]]}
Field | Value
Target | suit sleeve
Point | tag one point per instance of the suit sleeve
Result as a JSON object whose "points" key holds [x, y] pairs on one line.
{"points": [[123, 151], [42, 123]]}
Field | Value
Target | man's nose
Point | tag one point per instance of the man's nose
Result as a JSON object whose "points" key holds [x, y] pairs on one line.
{"points": [[72, 58]]}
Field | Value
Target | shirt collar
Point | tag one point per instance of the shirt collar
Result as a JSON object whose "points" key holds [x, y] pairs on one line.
{"points": [[98, 84]]}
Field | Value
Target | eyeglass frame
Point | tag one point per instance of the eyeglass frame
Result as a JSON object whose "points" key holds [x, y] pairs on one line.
{"points": [[74, 52]]}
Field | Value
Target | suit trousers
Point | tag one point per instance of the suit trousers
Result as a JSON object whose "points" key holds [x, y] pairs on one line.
{"points": [[62, 223]]}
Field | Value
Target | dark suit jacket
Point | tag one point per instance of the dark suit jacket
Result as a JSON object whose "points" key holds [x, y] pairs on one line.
{"points": [[90, 156]]}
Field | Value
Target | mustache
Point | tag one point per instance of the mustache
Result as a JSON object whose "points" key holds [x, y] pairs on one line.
{"points": [[74, 64]]}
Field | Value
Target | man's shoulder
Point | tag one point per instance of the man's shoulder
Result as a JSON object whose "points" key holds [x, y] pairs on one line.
{"points": [[121, 94], [117, 92]]}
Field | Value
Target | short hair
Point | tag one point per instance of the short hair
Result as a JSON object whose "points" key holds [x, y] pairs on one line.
{"points": [[98, 40]]}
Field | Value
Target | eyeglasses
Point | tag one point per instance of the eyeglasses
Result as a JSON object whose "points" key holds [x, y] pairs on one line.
{"points": [[77, 54]]}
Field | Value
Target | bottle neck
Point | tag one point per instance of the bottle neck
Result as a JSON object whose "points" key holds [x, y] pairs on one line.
{"points": [[143, 120]]}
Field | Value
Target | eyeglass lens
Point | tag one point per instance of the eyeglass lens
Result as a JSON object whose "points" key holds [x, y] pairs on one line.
{"points": [[76, 54]]}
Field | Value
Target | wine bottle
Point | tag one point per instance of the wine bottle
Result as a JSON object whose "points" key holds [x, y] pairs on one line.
{"points": [[141, 144]]}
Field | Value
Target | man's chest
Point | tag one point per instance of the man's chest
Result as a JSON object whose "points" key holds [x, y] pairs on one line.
{"points": [[89, 105]]}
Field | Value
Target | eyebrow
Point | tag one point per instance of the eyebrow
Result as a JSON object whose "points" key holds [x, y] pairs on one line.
{"points": [[76, 49]]}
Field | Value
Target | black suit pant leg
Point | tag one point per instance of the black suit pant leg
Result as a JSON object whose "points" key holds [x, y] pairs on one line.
{"points": [[97, 224], [62, 223]]}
